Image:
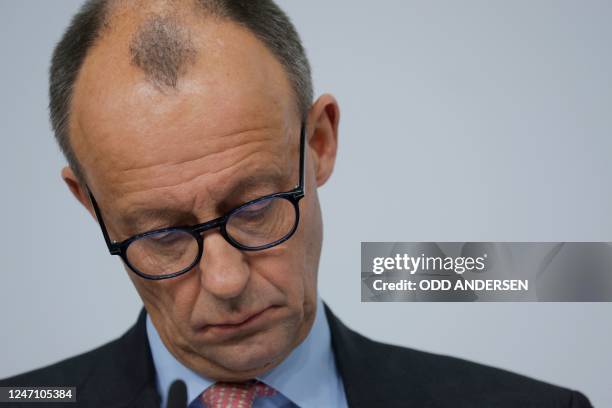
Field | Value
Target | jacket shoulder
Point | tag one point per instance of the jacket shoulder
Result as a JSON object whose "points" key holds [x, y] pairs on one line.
{"points": [[72, 371], [117, 374], [468, 383], [401, 376]]}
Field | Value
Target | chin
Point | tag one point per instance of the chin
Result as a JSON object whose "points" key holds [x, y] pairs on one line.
{"points": [[255, 354]]}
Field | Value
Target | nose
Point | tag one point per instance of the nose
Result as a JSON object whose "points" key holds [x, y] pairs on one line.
{"points": [[224, 273]]}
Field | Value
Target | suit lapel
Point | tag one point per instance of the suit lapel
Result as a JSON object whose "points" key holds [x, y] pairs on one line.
{"points": [[126, 373], [376, 374]]}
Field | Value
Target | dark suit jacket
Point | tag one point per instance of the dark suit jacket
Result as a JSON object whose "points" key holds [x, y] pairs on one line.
{"points": [[121, 374]]}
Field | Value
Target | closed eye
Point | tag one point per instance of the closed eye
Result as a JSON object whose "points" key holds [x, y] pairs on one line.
{"points": [[256, 209], [166, 238]]}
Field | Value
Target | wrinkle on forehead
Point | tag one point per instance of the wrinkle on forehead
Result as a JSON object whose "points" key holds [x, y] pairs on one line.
{"points": [[201, 163], [213, 146], [182, 151]]}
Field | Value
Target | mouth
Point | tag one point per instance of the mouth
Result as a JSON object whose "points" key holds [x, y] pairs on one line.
{"points": [[241, 324]]}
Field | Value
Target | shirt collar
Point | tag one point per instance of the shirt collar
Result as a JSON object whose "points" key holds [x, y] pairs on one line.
{"points": [[307, 376]]}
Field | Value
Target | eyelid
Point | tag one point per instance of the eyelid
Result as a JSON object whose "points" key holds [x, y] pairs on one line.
{"points": [[161, 234], [152, 231], [258, 205], [234, 204]]}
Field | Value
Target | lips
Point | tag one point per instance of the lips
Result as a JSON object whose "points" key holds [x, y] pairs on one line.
{"points": [[238, 322]]}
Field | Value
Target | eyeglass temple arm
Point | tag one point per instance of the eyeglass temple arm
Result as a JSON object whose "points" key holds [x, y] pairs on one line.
{"points": [[110, 244], [301, 186]]}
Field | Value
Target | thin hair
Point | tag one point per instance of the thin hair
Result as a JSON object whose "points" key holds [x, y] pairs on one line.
{"points": [[163, 49]]}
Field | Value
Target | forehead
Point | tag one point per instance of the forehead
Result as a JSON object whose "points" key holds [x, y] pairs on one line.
{"points": [[233, 99]]}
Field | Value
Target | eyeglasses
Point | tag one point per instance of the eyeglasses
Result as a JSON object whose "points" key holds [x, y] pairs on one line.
{"points": [[258, 224]]}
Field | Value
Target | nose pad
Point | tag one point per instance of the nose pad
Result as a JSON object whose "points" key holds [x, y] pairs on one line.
{"points": [[224, 272]]}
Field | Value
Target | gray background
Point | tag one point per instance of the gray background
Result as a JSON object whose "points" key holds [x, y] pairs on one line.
{"points": [[461, 121]]}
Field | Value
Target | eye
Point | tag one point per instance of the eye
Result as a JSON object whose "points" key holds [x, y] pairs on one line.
{"points": [[166, 238], [258, 206], [255, 211]]}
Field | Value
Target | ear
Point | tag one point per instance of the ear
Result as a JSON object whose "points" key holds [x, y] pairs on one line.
{"points": [[77, 189], [322, 129]]}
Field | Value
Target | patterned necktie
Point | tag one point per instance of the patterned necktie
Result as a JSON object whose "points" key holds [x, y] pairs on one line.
{"points": [[235, 395]]}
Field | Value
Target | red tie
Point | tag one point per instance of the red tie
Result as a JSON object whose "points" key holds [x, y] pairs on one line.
{"points": [[235, 395]]}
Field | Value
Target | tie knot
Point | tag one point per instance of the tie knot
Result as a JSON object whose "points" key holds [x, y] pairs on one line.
{"points": [[235, 395]]}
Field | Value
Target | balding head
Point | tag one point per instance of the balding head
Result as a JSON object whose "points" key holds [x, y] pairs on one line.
{"points": [[163, 48]]}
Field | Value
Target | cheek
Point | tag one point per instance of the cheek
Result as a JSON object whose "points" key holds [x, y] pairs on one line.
{"points": [[311, 235], [283, 271], [292, 268], [176, 295]]}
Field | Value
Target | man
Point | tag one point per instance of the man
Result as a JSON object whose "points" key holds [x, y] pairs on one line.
{"points": [[193, 139]]}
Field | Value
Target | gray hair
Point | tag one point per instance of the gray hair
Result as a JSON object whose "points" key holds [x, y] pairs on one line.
{"points": [[163, 49]]}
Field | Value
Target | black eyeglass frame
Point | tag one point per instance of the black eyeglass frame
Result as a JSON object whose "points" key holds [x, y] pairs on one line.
{"points": [[293, 196]]}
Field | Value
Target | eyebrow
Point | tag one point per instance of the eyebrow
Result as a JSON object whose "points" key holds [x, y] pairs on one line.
{"points": [[254, 183], [142, 220], [244, 189]]}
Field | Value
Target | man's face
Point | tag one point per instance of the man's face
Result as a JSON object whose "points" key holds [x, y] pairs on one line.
{"points": [[157, 157]]}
